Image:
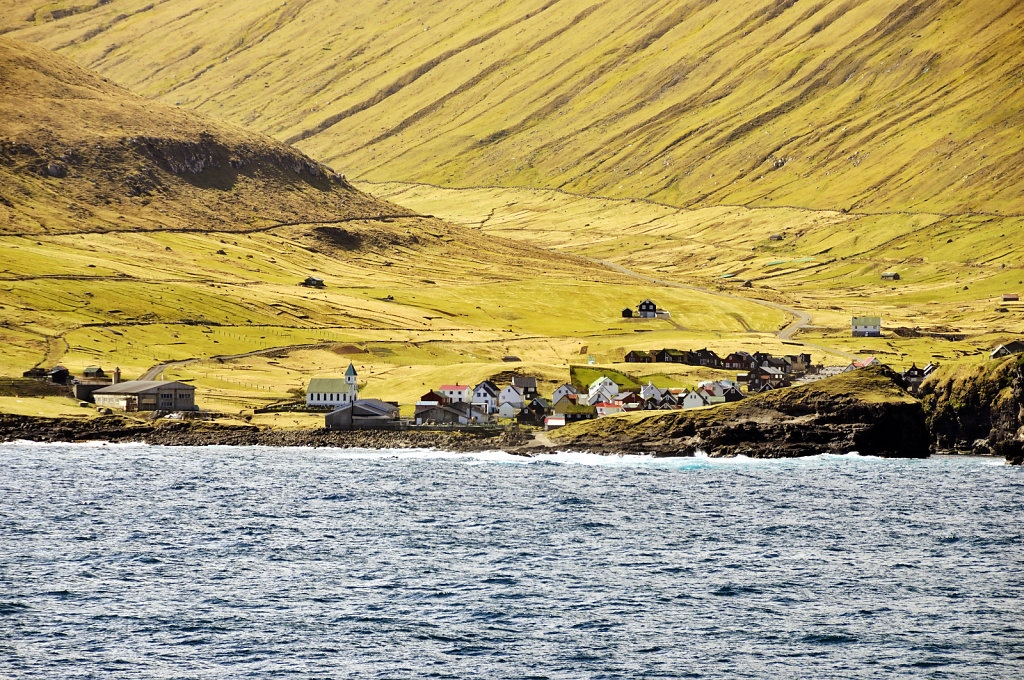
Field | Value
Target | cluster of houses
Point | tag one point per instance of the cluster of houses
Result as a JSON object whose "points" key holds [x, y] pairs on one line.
{"points": [[129, 395], [520, 401], [760, 370]]}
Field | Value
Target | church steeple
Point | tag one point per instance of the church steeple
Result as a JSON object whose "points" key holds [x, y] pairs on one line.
{"points": [[350, 380]]}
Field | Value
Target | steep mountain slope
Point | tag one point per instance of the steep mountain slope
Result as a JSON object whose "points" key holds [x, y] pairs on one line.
{"points": [[80, 154], [867, 106]]}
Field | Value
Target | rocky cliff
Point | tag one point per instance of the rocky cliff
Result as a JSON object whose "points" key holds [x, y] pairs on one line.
{"points": [[978, 408], [865, 411]]}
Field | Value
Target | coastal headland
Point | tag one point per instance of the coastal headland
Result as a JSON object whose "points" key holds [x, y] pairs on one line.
{"points": [[865, 411]]}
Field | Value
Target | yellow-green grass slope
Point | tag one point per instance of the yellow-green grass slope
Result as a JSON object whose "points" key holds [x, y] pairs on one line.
{"points": [[86, 284], [872, 106], [953, 270]]}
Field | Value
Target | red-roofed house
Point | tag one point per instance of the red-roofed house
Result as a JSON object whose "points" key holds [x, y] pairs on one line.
{"points": [[457, 394]]}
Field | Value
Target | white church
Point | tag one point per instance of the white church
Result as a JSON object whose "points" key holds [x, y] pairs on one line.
{"points": [[323, 392]]}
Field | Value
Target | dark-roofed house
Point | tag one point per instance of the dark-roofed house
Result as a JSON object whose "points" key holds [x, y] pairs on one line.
{"points": [[94, 372], [639, 357], [739, 361], [58, 375], [647, 309], [527, 384], [459, 413], [147, 395], [363, 414], [1015, 347]]}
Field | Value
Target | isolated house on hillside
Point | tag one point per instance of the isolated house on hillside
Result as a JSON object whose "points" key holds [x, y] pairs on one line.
{"points": [[890, 276], [647, 309], [1011, 297], [866, 326], [147, 395]]}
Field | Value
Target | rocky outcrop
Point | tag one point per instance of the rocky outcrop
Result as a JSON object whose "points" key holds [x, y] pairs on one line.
{"points": [[193, 433], [978, 409], [865, 411]]}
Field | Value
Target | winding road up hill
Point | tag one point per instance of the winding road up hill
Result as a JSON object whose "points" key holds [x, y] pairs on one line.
{"points": [[866, 105]]}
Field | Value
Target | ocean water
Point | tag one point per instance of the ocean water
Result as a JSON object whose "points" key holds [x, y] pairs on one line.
{"points": [[130, 561]]}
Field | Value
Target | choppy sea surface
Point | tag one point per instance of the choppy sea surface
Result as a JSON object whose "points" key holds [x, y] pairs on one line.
{"points": [[131, 561]]}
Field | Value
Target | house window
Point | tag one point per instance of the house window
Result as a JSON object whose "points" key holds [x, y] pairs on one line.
{"points": [[167, 396]]}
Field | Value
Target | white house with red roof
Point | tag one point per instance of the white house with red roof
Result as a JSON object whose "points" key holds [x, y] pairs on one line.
{"points": [[457, 394]]}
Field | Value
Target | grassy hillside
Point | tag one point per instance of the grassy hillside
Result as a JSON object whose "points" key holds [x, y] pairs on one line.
{"points": [[829, 264], [94, 274], [79, 154], [869, 106]]}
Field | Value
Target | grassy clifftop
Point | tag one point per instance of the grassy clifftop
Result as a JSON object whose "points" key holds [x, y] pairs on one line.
{"points": [[862, 106], [80, 154], [865, 411]]}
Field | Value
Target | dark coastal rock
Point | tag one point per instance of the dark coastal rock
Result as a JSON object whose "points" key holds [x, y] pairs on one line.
{"points": [[866, 411], [193, 433], [978, 408]]}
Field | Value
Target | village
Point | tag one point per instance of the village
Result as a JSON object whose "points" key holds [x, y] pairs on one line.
{"points": [[487, 404]]}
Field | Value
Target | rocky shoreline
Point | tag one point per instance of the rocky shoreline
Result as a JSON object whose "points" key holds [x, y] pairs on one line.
{"points": [[867, 411], [116, 429]]}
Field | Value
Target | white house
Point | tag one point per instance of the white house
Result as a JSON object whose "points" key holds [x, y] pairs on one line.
{"points": [[866, 326], [561, 391], [333, 391], [649, 391], [863, 363], [602, 389], [512, 395], [693, 399], [509, 410], [485, 396], [605, 408], [712, 387], [457, 394]]}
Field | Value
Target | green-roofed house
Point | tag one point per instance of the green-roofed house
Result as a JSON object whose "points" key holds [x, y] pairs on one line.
{"points": [[866, 326], [333, 392]]}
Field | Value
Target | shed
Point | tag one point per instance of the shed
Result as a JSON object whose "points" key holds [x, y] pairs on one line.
{"points": [[1011, 297], [627, 313], [890, 276], [313, 282], [94, 372], [775, 237]]}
